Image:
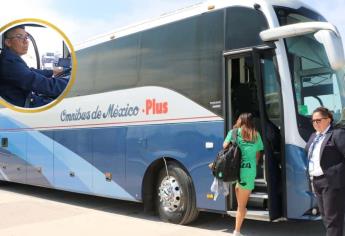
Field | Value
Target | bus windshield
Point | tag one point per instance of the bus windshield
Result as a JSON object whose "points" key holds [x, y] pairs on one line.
{"points": [[315, 83]]}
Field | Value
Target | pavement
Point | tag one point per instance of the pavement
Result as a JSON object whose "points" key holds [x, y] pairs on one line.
{"points": [[35, 211]]}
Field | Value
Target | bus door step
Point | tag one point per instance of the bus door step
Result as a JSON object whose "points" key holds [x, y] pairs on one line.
{"points": [[258, 200], [253, 215], [259, 195]]}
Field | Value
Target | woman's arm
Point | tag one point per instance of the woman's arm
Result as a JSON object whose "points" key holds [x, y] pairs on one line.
{"points": [[227, 139], [225, 144]]}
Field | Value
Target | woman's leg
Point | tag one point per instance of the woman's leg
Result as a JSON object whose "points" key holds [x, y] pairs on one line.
{"points": [[242, 196]]}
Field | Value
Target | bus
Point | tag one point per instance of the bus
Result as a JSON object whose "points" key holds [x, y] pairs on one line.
{"points": [[152, 103]]}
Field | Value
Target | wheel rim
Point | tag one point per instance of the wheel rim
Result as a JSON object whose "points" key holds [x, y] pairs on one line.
{"points": [[170, 194]]}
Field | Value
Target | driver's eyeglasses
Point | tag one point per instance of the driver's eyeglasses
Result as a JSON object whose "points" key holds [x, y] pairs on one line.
{"points": [[318, 121], [20, 36]]}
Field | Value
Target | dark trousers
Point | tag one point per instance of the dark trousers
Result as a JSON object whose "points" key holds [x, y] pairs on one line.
{"points": [[331, 204]]}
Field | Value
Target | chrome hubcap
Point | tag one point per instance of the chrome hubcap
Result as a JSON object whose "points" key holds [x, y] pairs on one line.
{"points": [[170, 194]]}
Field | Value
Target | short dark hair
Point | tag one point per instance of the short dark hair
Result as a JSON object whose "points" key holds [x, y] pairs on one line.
{"points": [[324, 112], [6, 34]]}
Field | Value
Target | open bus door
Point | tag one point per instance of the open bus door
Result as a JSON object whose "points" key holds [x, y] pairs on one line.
{"points": [[252, 85]]}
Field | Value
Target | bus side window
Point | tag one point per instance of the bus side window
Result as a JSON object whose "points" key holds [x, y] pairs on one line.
{"points": [[271, 92]]}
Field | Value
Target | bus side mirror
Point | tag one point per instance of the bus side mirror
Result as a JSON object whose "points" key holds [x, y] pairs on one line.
{"points": [[333, 46], [324, 32]]}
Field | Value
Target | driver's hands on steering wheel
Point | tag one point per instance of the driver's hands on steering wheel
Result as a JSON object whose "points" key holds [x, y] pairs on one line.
{"points": [[57, 71]]}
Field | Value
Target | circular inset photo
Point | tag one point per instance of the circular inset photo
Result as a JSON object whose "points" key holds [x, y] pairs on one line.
{"points": [[37, 64]]}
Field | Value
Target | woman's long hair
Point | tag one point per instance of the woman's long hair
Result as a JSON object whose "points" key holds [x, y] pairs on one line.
{"points": [[248, 132]]}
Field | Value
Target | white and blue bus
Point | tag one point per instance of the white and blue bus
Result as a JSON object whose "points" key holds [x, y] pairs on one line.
{"points": [[152, 102]]}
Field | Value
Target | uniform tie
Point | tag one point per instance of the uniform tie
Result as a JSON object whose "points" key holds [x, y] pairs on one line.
{"points": [[312, 146]]}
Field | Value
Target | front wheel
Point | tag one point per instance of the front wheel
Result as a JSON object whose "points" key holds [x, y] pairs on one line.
{"points": [[176, 201]]}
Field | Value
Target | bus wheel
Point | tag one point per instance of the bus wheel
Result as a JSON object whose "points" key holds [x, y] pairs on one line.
{"points": [[175, 196]]}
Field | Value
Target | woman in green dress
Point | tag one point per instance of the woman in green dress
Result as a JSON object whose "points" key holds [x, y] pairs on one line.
{"points": [[250, 143]]}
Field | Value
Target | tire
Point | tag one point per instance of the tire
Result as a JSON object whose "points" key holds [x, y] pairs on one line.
{"points": [[175, 196]]}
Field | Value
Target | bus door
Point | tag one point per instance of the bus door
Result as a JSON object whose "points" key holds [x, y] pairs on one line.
{"points": [[251, 85]]}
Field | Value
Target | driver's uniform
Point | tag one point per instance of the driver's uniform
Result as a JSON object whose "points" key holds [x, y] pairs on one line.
{"points": [[23, 86]]}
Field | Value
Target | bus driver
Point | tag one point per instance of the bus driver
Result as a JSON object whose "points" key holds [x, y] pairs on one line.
{"points": [[20, 85]]}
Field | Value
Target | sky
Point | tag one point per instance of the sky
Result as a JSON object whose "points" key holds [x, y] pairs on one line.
{"points": [[81, 20]]}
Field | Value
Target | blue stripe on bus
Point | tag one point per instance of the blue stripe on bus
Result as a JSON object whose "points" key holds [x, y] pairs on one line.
{"points": [[126, 152], [297, 183], [56, 162]]}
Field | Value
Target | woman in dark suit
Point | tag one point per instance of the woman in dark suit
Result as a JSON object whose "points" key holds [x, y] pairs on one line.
{"points": [[326, 155]]}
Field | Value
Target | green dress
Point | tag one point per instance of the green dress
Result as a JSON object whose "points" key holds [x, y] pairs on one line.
{"points": [[248, 162]]}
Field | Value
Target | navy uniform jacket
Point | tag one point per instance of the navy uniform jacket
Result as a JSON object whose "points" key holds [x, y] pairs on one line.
{"points": [[20, 84], [332, 156]]}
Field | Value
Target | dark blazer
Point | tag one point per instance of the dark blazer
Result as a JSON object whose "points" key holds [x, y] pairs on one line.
{"points": [[332, 156], [20, 84]]}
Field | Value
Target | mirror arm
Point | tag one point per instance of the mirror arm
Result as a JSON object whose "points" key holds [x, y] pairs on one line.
{"points": [[293, 30]]}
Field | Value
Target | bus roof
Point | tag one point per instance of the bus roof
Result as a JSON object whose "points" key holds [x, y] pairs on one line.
{"points": [[183, 13]]}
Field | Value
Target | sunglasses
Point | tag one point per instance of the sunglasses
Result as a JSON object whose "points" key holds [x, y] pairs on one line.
{"points": [[318, 121]]}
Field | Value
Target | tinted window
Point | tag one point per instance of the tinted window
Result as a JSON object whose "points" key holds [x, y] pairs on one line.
{"points": [[243, 26], [108, 66], [288, 16], [272, 91], [185, 56]]}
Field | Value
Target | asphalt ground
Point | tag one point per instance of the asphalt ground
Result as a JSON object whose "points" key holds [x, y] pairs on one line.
{"points": [[27, 210]]}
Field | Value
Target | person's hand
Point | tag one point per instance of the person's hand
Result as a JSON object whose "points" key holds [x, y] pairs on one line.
{"points": [[57, 71], [210, 165]]}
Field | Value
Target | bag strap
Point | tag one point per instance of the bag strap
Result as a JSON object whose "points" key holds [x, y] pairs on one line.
{"points": [[234, 135]]}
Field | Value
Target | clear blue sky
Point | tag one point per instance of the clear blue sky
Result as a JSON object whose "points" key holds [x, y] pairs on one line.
{"points": [[83, 19]]}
